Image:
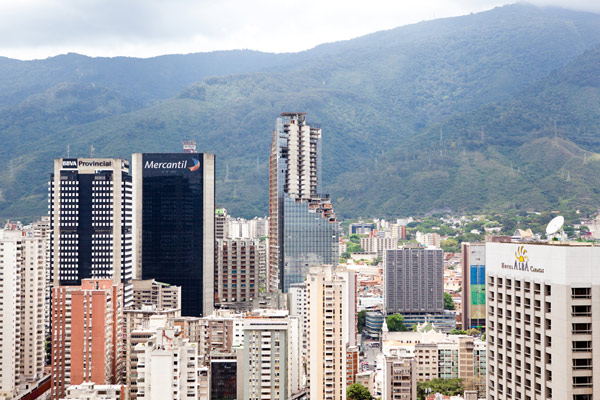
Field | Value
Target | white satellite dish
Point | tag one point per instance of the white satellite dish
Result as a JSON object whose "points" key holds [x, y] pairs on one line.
{"points": [[555, 225]]}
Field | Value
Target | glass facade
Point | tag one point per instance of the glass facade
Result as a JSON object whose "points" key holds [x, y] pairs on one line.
{"points": [[172, 224], [223, 385], [309, 238]]}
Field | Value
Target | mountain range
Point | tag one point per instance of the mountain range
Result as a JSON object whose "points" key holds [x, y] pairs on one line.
{"points": [[488, 111]]}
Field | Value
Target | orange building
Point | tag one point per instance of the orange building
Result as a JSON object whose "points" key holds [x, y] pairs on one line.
{"points": [[87, 325]]}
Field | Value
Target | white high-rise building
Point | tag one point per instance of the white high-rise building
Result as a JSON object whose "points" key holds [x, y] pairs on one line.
{"points": [[272, 359], [543, 302], [22, 307], [298, 308], [331, 299], [167, 367]]}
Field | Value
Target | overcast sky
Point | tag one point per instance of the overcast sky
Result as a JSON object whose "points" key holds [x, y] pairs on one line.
{"points": [[144, 28]]}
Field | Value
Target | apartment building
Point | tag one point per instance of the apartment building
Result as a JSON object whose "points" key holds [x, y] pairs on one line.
{"points": [[399, 377], [167, 367], [151, 292], [378, 245], [87, 331], [23, 270], [331, 299], [237, 272], [272, 355]]}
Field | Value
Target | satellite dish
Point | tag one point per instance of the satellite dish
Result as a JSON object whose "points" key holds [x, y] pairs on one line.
{"points": [[555, 225]]}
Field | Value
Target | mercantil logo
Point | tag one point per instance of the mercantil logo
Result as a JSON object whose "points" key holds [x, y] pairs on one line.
{"points": [[196, 165]]}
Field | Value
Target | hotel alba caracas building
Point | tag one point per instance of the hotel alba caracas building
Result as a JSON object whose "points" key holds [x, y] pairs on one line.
{"points": [[543, 299]]}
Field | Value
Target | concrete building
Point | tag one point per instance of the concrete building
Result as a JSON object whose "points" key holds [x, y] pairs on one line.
{"points": [[140, 326], [219, 332], [542, 303], [237, 272], [399, 376], [167, 367], [473, 285], [87, 331], [272, 355], [428, 239], [23, 270], [298, 307], [440, 355], [360, 228], [91, 391], [90, 202], [151, 292], [378, 245], [331, 298], [174, 231], [221, 225], [414, 281], [303, 229]]}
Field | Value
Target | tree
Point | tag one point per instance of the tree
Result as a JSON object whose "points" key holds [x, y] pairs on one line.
{"points": [[448, 387], [473, 332], [450, 245], [356, 391], [458, 332], [448, 302], [362, 318], [395, 323]]}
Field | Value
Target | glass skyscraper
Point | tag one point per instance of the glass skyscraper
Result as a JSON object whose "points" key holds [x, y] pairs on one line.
{"points": [[174, 224], [303, 230]]}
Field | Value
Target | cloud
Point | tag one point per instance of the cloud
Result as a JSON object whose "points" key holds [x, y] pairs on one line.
{"points": [[40, 28]]}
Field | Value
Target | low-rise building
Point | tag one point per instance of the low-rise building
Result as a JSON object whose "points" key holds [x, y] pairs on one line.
{"points": [[91, 391]]}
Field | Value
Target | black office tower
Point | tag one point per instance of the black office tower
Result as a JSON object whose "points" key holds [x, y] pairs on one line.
{"points": [[173, 218]]}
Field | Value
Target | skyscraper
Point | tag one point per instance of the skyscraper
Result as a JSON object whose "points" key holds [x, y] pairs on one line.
{"points": [[303, 229], [542, 306], [174, 218], [90, 221]]}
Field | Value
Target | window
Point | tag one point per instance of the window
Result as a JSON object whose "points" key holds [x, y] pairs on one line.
{"points": [[581, 293]]}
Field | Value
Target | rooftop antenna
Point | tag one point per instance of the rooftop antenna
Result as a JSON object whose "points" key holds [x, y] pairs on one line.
{"points": [[482, 135], [68, 150], [92, 151], [554, 227]]}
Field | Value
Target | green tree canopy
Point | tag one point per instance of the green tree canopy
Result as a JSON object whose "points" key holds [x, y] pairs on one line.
{"points": [[356, 391], [448, 387], [362, 318], [395, 323], [448, 302]]}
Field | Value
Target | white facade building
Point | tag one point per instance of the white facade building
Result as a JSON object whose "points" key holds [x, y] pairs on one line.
{"points": [[91, 391], [272, 359], [331, 298], [23, 309], [167, 367], [542, 302]]}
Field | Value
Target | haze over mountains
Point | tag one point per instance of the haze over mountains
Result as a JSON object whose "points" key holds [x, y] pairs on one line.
{"points": [[456, 114]]}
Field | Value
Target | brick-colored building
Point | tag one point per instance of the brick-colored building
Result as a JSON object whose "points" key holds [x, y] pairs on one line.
{"points": [[87, 327]]}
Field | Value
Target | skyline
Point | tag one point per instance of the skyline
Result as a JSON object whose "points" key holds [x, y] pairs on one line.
{"points": [[35, 29]]}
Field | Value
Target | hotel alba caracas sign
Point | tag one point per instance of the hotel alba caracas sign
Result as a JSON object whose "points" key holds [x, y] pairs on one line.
{"points": [[521, 262]]}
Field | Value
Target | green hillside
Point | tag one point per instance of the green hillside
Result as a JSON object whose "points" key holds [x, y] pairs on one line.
{"points": [[382, 101]]}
